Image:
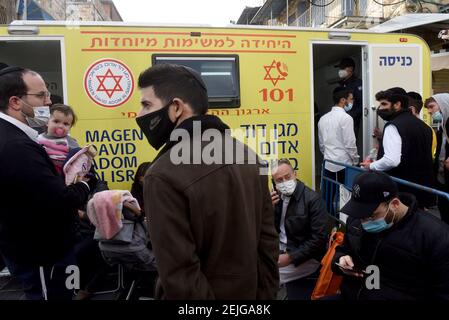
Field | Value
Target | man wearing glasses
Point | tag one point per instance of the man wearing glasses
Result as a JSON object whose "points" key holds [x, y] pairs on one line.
{"points": [[36, 208], [391, 242]]}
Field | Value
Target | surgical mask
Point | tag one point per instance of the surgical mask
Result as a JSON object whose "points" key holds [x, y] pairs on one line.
{"points": [[40, 118], [378, 225], [287, 187], [342, 73], [437, 117], [348, 107], [386, 114], [157, 126]]}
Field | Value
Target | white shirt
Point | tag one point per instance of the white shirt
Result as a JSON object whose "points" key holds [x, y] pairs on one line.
{"points": [[337, 139], [392, 144], [30, 132]]}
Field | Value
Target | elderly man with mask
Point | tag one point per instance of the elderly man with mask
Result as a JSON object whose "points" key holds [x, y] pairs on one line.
{"points": [[392, 250], [300, 218]]}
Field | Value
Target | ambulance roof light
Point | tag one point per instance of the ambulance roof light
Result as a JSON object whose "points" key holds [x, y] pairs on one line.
{"points": [[339, 35], [23, 30]]}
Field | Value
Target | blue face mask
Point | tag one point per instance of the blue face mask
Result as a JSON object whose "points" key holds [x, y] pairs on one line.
{"points": [[378, 225], [437, 117], [348, 107]]}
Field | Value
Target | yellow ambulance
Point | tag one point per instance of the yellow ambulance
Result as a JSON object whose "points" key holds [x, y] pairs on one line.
{"points": [[269, 83]]}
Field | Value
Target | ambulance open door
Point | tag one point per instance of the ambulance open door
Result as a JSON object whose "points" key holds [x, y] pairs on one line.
{"points": [[388, 66]]}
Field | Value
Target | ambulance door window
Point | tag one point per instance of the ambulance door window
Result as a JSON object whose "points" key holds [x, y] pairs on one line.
{"points": [[42, 56], [220, 73]]}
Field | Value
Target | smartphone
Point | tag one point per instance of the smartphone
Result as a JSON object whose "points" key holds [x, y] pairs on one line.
{"points": [[354, 269], [273, 184]]}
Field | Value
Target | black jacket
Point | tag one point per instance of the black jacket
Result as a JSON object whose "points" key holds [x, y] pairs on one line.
{"points": [[37, 210], [305, 224], [412, 257], [355, 85]]}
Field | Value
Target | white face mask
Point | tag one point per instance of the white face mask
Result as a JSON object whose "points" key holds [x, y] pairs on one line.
{"points": [[342, 73], [286, 188], [40, 118]]}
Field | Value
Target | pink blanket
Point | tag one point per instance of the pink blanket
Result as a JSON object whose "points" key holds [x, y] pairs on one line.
{"points": [[105, 211], [79, 165]]}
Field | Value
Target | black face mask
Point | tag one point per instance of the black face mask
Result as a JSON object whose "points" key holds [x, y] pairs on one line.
{"points": [[157, 126], [386, 114]]}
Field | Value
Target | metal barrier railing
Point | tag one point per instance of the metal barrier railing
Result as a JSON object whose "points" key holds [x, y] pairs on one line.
{"points": [[330, 188]]}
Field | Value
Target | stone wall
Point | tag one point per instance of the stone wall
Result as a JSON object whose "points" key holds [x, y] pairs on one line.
{"points": [[7, 11], [89, 10]]}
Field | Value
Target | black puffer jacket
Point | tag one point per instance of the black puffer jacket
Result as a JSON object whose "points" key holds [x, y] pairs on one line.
{"points": [[305, 224], [412, 257]]}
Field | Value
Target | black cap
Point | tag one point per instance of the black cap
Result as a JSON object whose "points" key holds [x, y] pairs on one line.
{"points": [[370, 189], [345, 62]]}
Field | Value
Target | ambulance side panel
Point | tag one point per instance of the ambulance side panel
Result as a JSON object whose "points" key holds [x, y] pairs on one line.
{"points": [[274, 113]]}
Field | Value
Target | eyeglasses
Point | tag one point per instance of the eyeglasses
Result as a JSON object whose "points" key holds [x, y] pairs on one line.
{"points": [[41, 95]]}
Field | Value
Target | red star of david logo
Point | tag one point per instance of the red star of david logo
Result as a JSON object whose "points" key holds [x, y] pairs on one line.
{"points": [[109, 91], [279, 73]]}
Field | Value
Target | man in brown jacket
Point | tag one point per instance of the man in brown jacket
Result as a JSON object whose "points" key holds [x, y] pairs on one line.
{"points": [[209, 208]]}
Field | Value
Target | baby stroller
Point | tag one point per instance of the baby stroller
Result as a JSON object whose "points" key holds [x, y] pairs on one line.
{"points": [[130, 251], [130, 246]]}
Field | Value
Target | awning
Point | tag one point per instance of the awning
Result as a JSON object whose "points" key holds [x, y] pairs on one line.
{"points": [[439, 61], [411, 20]]}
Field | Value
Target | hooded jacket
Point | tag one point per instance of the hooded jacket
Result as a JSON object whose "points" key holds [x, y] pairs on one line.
{"points": [[443, 102]]}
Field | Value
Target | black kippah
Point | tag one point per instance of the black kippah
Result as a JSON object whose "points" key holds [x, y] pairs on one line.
{"points": [[10, 70]]}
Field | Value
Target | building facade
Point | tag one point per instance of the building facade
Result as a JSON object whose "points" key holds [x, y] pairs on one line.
{"points": [[74, 10], [7, 11], [360, 14]]}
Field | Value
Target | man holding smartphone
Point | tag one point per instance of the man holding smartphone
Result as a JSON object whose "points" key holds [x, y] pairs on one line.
{"points": [[300, 219], [408, 247]]}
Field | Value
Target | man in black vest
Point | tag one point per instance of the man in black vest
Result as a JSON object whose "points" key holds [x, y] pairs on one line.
{"points": [[405, 148]]}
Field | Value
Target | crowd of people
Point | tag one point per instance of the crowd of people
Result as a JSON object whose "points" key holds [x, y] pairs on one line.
{"points": [[217, 231], [408, 148]]}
